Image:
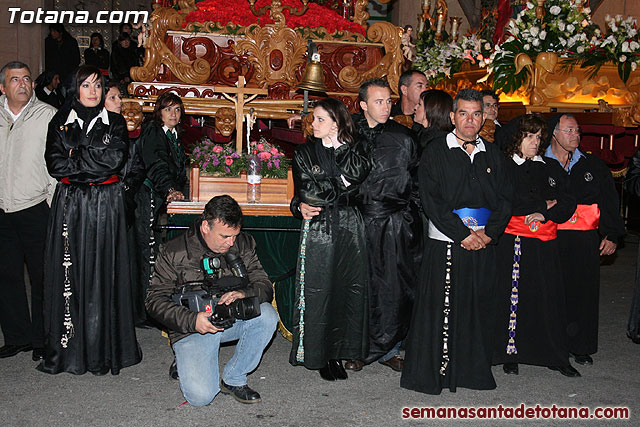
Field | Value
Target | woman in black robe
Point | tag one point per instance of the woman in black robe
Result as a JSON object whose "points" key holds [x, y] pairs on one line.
{"points": [[96, 54], [166, 180], [331, 285], [432, 118], [530, 325], [87, 308]]}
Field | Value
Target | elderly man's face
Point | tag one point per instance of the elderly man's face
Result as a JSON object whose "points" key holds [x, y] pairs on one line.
{"points": [[18, 86], [412, 92], [225, 121], [567, 133], [132, 112]]}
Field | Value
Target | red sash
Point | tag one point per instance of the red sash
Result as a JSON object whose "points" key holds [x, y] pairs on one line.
{"points": [[537, 230], [586, 217], [111, 180]]}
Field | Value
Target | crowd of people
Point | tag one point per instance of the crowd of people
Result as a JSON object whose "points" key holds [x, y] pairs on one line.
{"points": [[425, 239]]}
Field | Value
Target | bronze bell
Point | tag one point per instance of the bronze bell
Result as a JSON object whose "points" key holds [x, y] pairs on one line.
{"points": [[313, 78]]}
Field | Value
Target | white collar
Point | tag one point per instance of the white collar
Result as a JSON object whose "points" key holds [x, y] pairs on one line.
{"points": [[452, 142], [173, 131], [13, 116], [519, 160], [73, 117], [46, 90]]}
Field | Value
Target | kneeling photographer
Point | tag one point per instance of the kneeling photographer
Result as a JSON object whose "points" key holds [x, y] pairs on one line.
{"points": [[208, 288]]}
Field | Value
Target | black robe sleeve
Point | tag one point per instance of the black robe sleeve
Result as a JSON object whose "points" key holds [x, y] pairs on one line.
{"points": [[84, 158], [611, 224]]}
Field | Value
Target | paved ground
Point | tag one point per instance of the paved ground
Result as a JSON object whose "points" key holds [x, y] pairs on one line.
{"points": [[144, 395]]}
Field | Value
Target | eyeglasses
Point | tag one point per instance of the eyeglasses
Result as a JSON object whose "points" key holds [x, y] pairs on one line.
{"points": [[571, 131]]}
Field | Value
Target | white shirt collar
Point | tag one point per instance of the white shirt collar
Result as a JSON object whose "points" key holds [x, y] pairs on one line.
{"points": [[173, 131], [46, 90], [519, 160], [452, 142], [13, 116], [73, 117]]}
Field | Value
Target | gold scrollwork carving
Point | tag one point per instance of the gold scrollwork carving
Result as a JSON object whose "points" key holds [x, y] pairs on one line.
{"points": [[264, 45], [157, 52], [187, 6], [390, 65], [360, 14]]}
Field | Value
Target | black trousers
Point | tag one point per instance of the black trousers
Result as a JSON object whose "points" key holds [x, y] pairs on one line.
{"points": [[22, 240]]}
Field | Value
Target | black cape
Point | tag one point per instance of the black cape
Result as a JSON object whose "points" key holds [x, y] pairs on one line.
{"points": [[103, 336], [540, 332], [393, 229], [449, 180], [331, 320]]}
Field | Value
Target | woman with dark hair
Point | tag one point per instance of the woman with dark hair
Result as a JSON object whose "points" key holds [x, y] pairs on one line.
{"points": [[530, 325], [432, 117], [331, 283], [166, 180], [87, 307], [47, 89], [96, 54], [123, 57]]}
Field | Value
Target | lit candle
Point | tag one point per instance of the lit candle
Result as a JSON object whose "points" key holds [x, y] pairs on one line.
{"points": [[440, 23], [454, 28]]}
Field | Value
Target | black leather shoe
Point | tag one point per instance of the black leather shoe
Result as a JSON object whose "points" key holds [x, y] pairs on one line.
{"points": [[337, 369], [38, 354], [173, 370], [101, 372], [11, 350], [567, 371], [396, 363], [510, 368], [327, 373], [582, 359], [243, 393]]}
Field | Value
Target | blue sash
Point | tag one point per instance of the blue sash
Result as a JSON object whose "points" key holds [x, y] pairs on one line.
{"points": [[473, 217]]}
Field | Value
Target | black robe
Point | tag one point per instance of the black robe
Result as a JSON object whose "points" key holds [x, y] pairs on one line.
{"points": [[449, 180], [632, 185], [540, 331], [330, 321], [393, 229], [590, 182], [103, 335]]}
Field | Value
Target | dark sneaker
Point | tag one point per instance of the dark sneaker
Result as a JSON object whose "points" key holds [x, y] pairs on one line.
{"points": [[243, 393]]}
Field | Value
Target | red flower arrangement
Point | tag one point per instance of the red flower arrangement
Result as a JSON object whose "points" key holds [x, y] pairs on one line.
{"points": [[224, 11]]}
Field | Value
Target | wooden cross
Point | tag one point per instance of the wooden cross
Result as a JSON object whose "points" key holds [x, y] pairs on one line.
{"points": [[239, 102]]}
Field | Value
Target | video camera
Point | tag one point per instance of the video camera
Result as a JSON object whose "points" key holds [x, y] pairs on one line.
{"points": [[204, 296]]}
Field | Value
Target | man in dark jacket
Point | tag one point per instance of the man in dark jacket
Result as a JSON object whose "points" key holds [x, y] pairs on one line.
{"points": [[195, 340], [61, 53]]}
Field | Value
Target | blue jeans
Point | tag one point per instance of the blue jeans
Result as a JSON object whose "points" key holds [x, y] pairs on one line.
{"points": [[395, 351], [197, 356]]}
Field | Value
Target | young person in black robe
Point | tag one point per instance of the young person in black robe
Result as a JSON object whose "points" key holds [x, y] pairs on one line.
{"points": [[96, 54], [331, 286], [88, 308], [47, 85], [393, 226], [530, 323], [465, 194], [594, 230]]}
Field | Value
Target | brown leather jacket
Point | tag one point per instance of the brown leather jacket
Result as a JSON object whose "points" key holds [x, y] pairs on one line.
{"points": [[180, 259]]}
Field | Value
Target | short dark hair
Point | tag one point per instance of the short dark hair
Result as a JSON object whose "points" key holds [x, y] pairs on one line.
{"points": [[363, 92], [528, 123], [437, 106], [122, 24], [468, 95], [124, 36], [489, 92], [99, 36], [224, 209], [83, 74], [405, 79], [165, 100], [338, 113], [13, 65], [58, 27]]}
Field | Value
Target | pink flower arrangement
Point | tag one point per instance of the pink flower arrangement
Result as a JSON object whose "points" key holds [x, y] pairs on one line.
{"points": [[274, 162], [216, 159]]}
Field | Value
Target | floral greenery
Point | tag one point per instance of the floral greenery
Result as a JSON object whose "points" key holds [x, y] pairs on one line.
{"points": [[619, 45], [274, 162], [216, 159], [565, 29], [225, 11], [438, 60]]}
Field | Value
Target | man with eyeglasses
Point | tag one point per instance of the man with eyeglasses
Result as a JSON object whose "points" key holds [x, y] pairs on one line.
{"points": [[491, 126], [593, 231]]}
